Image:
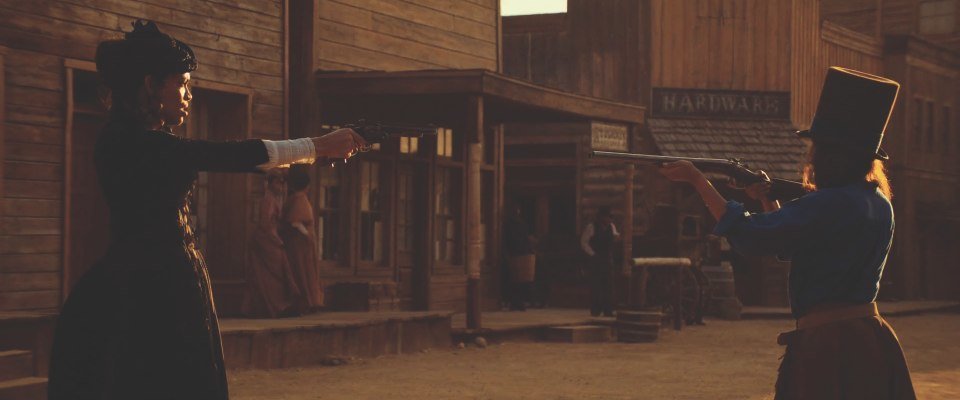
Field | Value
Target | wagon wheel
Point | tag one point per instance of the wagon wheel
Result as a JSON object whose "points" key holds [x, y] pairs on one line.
{"points": [[691, 293]]}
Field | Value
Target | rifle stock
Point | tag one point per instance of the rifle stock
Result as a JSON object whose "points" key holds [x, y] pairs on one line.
{"points": [[780, 189]]}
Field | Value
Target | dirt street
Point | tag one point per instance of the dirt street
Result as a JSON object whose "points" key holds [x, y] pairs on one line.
{"points": [[723, 360]]}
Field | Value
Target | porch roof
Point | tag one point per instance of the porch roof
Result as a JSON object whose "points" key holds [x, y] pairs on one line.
{"points": [[506, 99]]}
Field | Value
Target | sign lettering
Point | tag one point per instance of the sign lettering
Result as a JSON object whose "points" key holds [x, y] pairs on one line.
{"points": [[721, 104], [610, 137]]}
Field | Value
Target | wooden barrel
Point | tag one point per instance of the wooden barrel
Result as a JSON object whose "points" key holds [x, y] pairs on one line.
{"points": [[721, 280], [723, 291], [638, 326]]}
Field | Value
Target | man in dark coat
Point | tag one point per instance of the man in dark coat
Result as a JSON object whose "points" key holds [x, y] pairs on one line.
{"points": [[598, 241]]}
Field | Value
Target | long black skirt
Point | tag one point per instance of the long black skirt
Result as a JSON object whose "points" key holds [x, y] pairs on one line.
{"points": [[849, 359], [140, 325]]}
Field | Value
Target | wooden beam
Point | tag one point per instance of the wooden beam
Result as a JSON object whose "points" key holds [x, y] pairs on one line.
{"points": [[506, 91], [473, 136]]}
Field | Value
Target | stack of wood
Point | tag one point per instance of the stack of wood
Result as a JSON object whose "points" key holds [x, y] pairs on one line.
{"points": [[639, 326]]}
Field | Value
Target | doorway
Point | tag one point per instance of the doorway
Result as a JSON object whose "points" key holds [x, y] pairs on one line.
{"points": [[220, 207], [86, 216]]}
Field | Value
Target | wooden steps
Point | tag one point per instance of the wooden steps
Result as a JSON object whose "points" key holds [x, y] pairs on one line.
{"points": [[17, 380], [579, 334], [30, 388], [15, 364], [638, 326]]}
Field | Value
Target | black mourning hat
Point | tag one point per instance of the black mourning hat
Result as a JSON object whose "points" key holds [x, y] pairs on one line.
{"points": [[853, 111], [145, 50]]}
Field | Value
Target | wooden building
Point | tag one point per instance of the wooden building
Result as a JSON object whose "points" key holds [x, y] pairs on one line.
{"points": [[434, 227], [735, 79], [409, 225], [53, 224], [917, 42]]}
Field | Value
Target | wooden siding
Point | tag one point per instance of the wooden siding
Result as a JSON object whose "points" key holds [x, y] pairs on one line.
{"points": [[925, 170], [591, 50], [837, 46], [238, 43], [394, 35], [721, 44], [862, 16]]}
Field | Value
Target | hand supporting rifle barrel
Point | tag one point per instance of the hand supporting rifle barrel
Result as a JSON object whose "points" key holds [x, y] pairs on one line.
{"points": [[737, 170], [375, 132]]}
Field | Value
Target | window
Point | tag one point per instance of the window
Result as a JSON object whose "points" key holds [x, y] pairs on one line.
{"points": [[447, 240], [329, 213], [938, 17], [372, 230], [445, 143], [409, 145], [405, 215]]}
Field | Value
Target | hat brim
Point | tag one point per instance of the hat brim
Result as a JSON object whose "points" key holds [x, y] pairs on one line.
{"points": [[879, 155]]}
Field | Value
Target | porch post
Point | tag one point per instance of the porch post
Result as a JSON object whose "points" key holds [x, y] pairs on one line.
{"points": [[473, 135]]}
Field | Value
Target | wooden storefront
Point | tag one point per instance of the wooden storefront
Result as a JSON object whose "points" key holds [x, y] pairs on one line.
{"points": [[54, 222], [442, 198]]}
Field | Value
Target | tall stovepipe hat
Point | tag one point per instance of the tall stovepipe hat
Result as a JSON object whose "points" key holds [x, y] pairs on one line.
{"points": [[853, 111]]}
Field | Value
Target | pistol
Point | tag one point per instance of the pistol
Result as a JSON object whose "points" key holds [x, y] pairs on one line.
{"points": [[375, 132]]}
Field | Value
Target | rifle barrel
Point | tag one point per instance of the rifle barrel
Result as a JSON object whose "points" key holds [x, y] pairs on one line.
{"points": [[655, 158]]}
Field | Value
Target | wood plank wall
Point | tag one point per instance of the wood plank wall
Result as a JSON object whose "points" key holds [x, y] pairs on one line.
{"points": [[394, 35], [884, 17], [834, 45], [859, 15], [593, 50], [721, 44], [238, 43]]}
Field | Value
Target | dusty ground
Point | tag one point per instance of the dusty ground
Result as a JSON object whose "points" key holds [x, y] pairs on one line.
{"points": [[723, 360]]}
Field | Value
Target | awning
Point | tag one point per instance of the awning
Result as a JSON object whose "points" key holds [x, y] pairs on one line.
{"points": [[440, 93], [768, 145]]}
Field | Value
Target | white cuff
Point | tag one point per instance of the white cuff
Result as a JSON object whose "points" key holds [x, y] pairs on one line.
{"points": [[286, 152]]}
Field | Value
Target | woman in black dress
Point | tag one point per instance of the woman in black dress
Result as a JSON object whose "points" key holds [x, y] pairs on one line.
{"points": [[142, 322]]}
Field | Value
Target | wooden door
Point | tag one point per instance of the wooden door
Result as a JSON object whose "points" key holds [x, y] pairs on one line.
{"points": [[220, 200], [87, 225], [411, 239]]}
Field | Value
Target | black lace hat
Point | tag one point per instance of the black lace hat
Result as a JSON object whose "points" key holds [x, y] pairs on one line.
{"points": [[853, 111], [122, 64]]}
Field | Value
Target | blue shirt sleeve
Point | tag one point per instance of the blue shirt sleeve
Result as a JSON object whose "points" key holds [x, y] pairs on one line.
{"points": [[779, 232]]}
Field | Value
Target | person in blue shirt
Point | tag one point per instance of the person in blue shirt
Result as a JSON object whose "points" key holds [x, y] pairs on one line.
{"points": [[837, 237]]}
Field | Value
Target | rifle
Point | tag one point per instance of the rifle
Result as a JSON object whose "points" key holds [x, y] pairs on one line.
{"points": [[737, 170]]}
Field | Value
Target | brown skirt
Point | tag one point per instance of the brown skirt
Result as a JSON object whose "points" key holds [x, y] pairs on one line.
{"points": [[849, 359], [271, 288], [303, 262]]}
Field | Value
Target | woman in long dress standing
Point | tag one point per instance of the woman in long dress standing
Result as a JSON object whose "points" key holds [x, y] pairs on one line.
{"points": [[141, 324], [271, 286], [298, 236]]}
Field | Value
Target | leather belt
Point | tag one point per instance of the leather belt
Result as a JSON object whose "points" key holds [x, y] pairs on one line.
{"points": [[814, 319], [828, 315]]}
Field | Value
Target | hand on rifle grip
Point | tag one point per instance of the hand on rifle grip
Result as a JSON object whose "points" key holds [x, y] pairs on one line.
{"points": [[759, 190]]}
